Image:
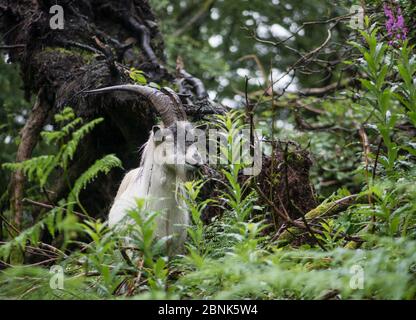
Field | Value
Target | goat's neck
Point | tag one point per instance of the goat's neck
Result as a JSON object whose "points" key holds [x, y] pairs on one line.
{"points": [[159, 183], [161, 194]]}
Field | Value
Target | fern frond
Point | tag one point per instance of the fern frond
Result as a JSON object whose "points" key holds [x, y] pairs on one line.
{"points": [[104, 165], [36, 169], [66, 115], [68, 150], [31, 235], [35, 283], [56, 136]]}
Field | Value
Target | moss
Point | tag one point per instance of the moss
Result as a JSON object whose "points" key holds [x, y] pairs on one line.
{"points": [[324, 209], [86, 56]]}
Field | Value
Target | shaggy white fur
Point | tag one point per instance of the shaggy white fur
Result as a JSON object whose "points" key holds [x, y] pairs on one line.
{"points": [[158, 184]]}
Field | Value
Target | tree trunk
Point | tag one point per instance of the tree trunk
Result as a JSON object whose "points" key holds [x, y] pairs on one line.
{"points": [[100, 42], [29, 138]]}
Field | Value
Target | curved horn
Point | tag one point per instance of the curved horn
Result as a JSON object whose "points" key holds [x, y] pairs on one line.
{"points": [[169, 108]]}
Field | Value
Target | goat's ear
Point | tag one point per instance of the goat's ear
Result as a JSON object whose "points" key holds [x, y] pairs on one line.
{"points": [[156, 128], [157, 134]]}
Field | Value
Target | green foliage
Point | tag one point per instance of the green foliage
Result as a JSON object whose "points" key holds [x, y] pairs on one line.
{"points": [[231, 258], [197, 245], [13, 112], [306, 274], [138, 76], [407, 68], [61, 220], [379, 93], [34, 284], [55, 221], [103, 165], [367, 250], [38, 169]]}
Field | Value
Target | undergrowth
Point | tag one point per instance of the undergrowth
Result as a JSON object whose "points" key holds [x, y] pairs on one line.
{"points": [[367, 251]]}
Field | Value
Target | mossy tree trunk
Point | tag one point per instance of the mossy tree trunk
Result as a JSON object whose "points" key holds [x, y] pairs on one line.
{"points": [[100, 42]]}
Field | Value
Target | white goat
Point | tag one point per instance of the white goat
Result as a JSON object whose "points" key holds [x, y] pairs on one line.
{"points": [[161, 171]]}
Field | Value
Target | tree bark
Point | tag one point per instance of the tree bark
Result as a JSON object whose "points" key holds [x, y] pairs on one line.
{"points": [[29, 138]]}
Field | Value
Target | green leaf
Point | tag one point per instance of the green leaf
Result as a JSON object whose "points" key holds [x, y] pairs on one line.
{"points": [[138, 76]]}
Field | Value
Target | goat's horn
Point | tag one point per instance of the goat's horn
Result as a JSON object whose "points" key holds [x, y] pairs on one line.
{"points": [[167, 104]]}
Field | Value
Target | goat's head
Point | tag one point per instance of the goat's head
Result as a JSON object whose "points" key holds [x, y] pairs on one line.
{"points": [[175, 147], [173, 140]]}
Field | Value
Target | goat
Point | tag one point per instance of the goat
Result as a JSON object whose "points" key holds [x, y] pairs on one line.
{"points": [[160, 173]]}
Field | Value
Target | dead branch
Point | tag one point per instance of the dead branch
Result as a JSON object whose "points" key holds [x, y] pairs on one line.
{"points": [[323, 210], [14, 46], [51, 207], [326, 89]]}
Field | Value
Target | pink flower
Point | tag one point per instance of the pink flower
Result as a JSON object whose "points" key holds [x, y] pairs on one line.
{"points": [[395, 24]]}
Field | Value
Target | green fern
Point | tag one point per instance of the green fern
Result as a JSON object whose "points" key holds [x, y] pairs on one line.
{"points": [[38, 170], [31, 236], [33, 283], [56, 136], [68, 150], [103, 165]]}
